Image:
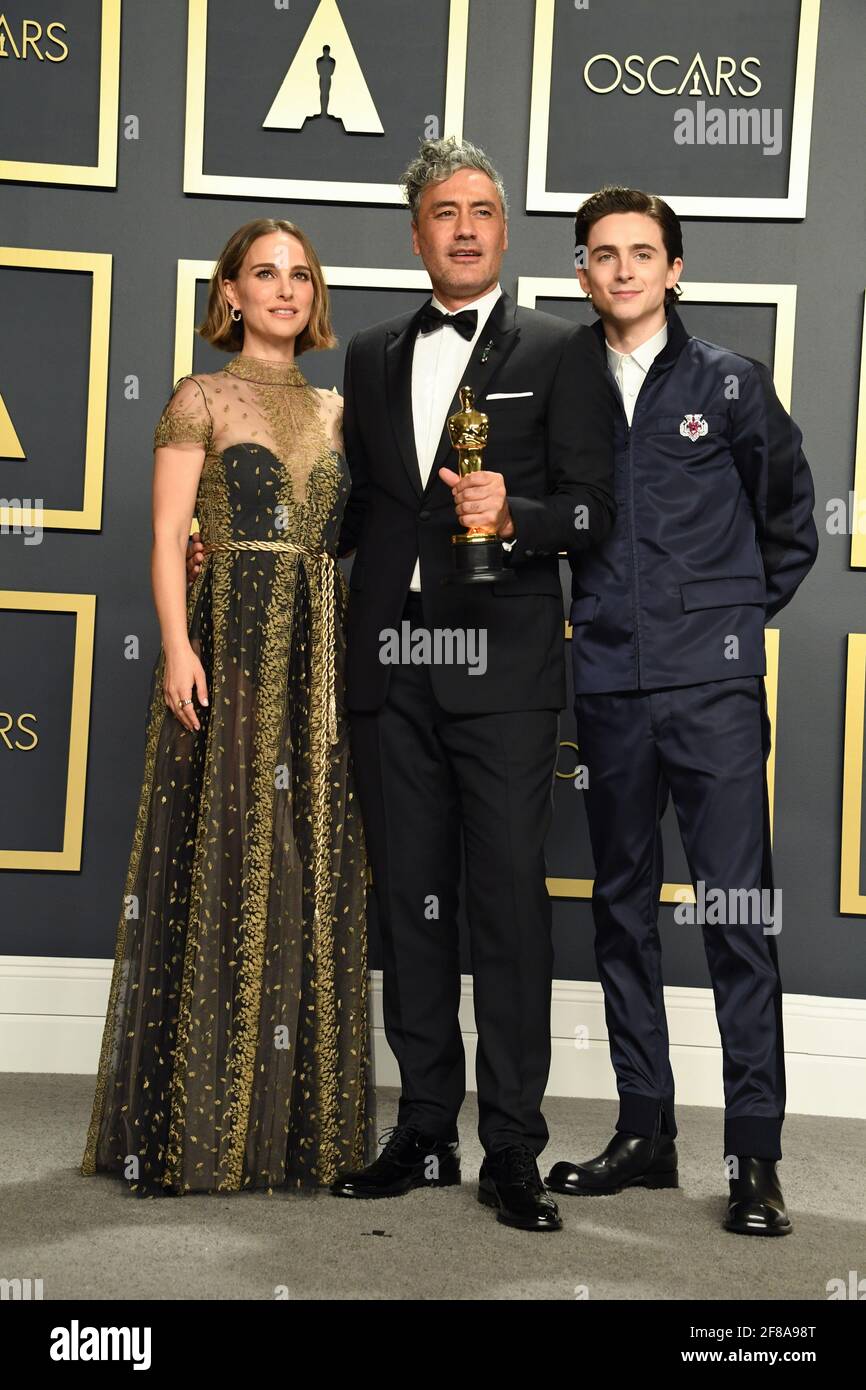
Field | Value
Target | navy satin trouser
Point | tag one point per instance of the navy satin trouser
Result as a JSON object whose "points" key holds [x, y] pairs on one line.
{"points": [[705, 745]]}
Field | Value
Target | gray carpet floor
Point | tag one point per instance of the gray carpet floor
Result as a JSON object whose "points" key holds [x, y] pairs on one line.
{"points": [[88, 1239]]}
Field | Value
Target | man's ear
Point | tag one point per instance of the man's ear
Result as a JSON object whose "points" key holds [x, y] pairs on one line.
{"points": [[583, 279], [416, 248], [505, 237], [675, 270]]}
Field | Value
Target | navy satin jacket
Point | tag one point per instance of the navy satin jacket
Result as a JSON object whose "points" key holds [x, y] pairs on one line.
{"points": [[713, 529]]}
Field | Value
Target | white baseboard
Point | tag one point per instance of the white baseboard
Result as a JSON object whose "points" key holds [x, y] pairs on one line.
{"points": [[52, 1011]]}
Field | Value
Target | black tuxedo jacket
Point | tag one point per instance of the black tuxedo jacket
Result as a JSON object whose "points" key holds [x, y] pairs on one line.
{"points": [[550, 436]]}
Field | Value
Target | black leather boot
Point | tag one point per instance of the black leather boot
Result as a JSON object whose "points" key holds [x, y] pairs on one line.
{"points": [[510, 1181], [630, 1160], [409, 1159], [756, 1206]]}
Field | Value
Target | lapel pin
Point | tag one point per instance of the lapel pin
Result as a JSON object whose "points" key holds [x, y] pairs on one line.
{"points": [[487, 350]]}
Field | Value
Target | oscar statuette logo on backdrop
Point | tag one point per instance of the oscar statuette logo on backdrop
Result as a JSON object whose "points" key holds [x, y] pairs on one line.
{"points": [[334, 111], [325, 80]]}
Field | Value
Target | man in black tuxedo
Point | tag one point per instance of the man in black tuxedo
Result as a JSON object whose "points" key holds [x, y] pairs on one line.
{"points": [[464, 749]]}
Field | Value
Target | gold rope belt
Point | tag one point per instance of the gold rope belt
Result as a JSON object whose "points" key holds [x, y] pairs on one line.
{"points": [[324, 562], [323, 729]]}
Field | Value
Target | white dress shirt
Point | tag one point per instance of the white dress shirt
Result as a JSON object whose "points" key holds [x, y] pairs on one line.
{"points": [[439, 362], [629, 369]]}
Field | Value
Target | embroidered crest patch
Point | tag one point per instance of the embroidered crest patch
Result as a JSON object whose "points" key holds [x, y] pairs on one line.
{"points": [[693, 426]]}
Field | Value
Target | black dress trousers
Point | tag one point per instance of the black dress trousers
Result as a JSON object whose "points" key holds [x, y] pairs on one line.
{"points": [[705, 745], [428, 779]]}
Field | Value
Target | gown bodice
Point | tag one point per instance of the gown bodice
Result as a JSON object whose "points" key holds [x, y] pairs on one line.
{"points": [[274, 467]]}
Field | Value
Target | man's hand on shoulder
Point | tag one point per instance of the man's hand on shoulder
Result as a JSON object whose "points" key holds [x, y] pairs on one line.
{"points": [[194, 557]]}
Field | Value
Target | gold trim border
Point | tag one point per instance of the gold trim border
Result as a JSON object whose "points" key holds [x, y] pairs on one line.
{"points": [[97, 264], [783, 297], [851, 899], [540, 199], [102, 174], [683, 892], [84, 608], [195, 180], [858, 537]]}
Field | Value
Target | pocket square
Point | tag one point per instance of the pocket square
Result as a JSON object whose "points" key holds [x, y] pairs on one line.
{"points": [[507, 395]]}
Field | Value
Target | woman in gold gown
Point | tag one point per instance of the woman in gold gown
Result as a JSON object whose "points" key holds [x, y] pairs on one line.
{"points": [[236, 1048]]}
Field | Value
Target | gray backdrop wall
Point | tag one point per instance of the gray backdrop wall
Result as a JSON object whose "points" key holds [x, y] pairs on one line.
{"points": [[147, 223]]}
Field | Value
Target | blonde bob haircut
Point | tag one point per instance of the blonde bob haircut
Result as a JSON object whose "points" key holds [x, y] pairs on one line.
{"points": [[227, 333]]}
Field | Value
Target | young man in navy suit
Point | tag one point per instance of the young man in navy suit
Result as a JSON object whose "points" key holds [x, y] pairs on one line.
{"points": [[713, 534]]}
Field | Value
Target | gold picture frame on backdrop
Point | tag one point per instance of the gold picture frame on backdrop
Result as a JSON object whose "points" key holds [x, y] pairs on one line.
{"points": [[84, 608], [195, 180], [783, 299], [858, 535], [531, 288], [97, 264], [191, 272], [683, 892], [102, 174], [851, 899], [541, 199]]}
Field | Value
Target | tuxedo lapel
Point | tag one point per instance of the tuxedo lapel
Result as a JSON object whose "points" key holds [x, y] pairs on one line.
{"points": [[496, 342], [398, 371]]}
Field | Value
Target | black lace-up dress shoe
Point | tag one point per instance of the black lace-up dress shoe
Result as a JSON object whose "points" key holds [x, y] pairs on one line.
{"points": [[756, 1206], [509, 1180], [628, 1161], [409, 1159]]}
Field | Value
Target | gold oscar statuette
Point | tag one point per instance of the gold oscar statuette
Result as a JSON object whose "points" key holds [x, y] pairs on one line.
{"points": [[477, 550]]}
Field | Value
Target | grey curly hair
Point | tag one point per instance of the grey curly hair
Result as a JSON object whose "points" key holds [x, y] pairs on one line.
{"points": [[437, 160]]}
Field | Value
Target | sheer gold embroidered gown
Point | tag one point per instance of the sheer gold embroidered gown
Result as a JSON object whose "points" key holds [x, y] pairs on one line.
{"points": [[236, 1048]]}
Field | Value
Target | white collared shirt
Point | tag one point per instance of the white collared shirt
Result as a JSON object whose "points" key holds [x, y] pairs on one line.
{"points": [[439, 361], [629, 369]]}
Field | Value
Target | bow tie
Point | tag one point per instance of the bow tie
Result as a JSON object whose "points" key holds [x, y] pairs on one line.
{"points": [[465, 322]]}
